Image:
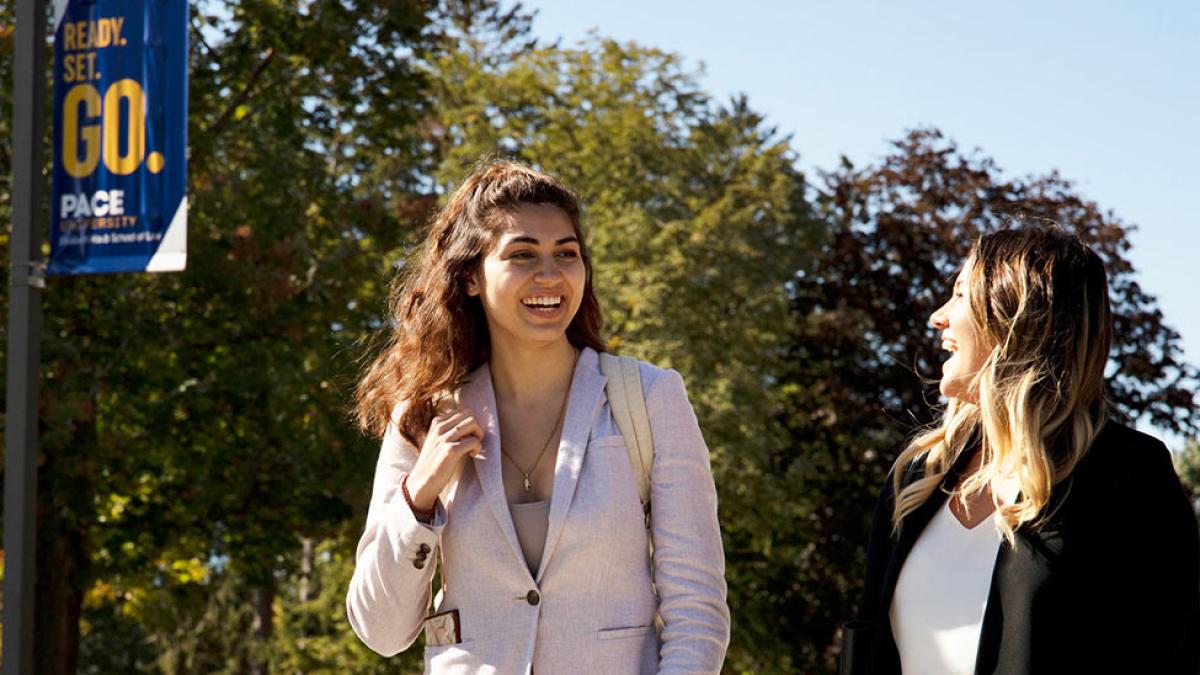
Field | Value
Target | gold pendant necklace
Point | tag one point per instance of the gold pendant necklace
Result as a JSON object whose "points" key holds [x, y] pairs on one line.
{"points": [[525, 481]]}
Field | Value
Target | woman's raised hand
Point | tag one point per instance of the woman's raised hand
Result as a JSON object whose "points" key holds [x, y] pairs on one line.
{"points": [[452, 437]]}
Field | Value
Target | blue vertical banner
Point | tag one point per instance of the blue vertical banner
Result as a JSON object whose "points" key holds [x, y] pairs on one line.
{"points": [[119, 201]]}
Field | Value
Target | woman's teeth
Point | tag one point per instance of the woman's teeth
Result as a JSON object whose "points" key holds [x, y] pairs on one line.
{"points": [[546, 302]]}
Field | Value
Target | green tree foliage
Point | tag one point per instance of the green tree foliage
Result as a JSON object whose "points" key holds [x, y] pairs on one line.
{"points": [[313, 636], [1187, 463], [864, 361]]}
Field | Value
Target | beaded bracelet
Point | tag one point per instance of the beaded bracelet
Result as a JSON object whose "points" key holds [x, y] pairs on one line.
{"points": [[420, 514]]}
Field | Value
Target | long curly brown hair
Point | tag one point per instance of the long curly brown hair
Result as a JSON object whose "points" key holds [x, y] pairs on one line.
{"points": [[439, 332]]}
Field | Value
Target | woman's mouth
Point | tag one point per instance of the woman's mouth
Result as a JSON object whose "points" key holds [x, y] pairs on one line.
{"points": [[548, 306], [952, 347]]}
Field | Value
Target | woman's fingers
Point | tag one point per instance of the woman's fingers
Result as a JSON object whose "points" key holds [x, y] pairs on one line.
{"points": [[444, 424], [458, 425], [468, 445], [469, 427], [458, 433], [452, 437]]}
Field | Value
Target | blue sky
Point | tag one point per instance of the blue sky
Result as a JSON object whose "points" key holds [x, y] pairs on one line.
{"points": [[1107, 93]]}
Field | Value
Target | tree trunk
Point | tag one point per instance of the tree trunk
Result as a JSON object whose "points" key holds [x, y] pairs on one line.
{"points": [[61, 557], [308, 586], [62, 560], [261, 600]]}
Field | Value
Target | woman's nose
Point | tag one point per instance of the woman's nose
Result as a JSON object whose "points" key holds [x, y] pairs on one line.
{"points": [[938, 318], [546, 270]]}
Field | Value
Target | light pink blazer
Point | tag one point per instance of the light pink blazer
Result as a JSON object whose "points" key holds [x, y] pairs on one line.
{"points": [[595, 606]]}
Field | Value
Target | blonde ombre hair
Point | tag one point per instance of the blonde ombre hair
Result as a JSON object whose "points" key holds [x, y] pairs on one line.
{"points": [[1038, 297]]}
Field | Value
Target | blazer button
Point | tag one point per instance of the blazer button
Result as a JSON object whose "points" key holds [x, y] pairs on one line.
{"points": [[423, 550], [533, 598], [419, 563]]}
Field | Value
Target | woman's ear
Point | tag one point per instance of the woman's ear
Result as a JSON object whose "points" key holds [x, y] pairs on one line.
{"points": [[473, 284]]}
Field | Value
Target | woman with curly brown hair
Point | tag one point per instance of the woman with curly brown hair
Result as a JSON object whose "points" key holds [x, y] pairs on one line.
{"points": [[501, 457], [1028, 531]]}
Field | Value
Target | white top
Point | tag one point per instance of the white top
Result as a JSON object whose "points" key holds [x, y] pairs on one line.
{"points": [[937, 609]]}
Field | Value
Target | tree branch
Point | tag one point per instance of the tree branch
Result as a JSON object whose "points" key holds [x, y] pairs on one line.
{"points": [[213, 130]]}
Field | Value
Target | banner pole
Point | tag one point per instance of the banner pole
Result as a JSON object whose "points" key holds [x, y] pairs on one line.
{"points": [[24, 336]]}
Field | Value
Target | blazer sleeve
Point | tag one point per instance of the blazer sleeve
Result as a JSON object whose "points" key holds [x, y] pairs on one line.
{"points": [[689, 560], [879, 551], [862, 636], [1159, 552], [389, 593]]}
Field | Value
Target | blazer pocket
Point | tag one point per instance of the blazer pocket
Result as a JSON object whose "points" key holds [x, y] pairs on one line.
{"points": [[621, 633], [456, 658], [434, 650]]}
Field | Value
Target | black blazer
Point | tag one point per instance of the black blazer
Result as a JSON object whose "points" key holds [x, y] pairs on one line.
{"points": [[1109, 583]]}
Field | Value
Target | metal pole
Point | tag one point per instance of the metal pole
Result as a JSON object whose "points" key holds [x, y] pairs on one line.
{"points": [[24, 335]]}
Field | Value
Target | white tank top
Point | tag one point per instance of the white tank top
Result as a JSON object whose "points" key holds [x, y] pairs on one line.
{"points": [[941, 594]]}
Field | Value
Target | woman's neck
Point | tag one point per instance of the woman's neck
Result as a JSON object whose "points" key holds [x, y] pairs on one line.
{"points": [[524, 374]]}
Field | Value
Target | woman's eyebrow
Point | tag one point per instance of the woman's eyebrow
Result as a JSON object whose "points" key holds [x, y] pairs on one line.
{"points": [[535, 242]]}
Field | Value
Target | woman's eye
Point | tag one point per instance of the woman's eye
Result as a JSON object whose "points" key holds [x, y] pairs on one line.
{"points": [[568, 254], [522, 255]]}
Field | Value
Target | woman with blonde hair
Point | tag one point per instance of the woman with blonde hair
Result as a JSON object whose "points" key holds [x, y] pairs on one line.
{"points": [[502, 459], [1028, 531]]}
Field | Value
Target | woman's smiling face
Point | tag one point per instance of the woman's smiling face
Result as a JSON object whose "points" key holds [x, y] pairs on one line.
{"points": [[531, 282], [962, 338]]}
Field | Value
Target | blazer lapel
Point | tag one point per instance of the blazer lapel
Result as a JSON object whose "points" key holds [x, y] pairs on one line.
{"points": [[987, 652], [910, 529], [582, 408], [914, 524], [479, 395]]}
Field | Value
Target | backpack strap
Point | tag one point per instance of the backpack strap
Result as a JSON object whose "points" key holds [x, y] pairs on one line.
{"points": [[628, 404]]}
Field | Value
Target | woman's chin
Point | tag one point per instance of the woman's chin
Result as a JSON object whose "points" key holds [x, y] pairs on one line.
{"points": [[951, 387], [539, 337]]}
